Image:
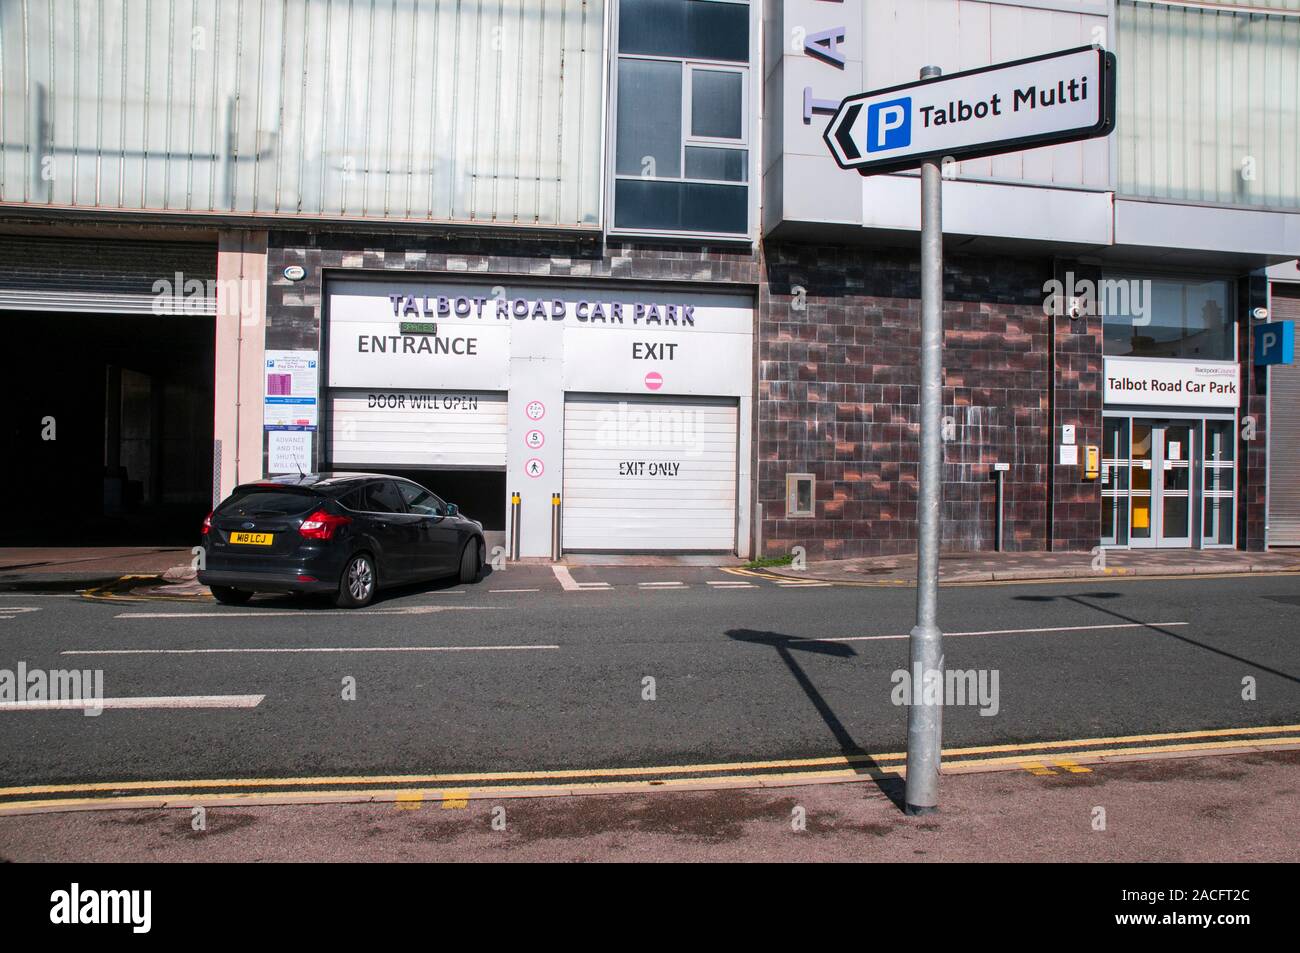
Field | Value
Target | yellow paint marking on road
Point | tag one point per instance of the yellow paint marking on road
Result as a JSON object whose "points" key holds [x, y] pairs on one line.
{"points": [[1102, 754], [779, 779], [409, 800], [854, 763], [1033, 767], [1071, 766]]}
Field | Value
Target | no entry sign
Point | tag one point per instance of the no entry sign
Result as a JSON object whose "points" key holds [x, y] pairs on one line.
{"points": [[1059, 97]]}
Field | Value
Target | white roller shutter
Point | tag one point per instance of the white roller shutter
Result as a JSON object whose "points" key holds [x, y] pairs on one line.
{"points": [[646, 474], [417, 428], [1283, 424]]}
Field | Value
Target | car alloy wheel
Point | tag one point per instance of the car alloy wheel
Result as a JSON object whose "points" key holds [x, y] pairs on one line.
{"points": [[358, 585], [361, 579]]}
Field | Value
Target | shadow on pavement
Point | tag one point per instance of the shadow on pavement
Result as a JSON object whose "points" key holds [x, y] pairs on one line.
{"points": [[786, 646]]}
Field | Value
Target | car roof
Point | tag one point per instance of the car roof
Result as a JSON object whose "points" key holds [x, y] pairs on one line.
{"points": [[322, 481]]}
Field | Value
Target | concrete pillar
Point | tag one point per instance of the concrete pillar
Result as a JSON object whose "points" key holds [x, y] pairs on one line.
{"points": [[240, 350]]}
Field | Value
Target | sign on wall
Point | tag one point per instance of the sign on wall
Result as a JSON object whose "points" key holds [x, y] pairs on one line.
{"points": [[1171, 383], [292, 388], [1043, 100]]}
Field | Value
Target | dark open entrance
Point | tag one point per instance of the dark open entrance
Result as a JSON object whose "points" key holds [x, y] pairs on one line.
{"points": [[480, 494], [106, 421]]}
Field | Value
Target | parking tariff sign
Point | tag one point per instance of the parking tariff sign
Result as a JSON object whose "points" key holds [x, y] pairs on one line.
{"points": [[1043, 100]]}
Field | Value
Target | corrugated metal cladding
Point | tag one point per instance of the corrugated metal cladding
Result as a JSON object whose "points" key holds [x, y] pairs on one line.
{"points": [[118, 277], [428, 110], [1284, 432], [1208, 110]]}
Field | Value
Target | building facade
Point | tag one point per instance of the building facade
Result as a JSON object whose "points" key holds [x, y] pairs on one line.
{"points": [[596, 251]]}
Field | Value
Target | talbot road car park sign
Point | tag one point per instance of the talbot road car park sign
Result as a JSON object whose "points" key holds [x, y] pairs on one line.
{"points": [[1060, 97]]}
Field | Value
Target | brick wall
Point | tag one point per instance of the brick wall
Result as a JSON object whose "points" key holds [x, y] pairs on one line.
{"points": [[838, 395]]}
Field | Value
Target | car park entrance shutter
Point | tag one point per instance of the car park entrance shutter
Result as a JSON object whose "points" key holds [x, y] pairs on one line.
{"points": [[409, 428], [649, 474], [1283, 425]]}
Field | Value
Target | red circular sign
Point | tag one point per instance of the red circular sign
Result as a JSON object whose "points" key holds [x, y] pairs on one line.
{"points": [[654, 380]]}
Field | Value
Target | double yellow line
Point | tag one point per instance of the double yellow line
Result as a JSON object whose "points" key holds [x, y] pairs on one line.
{"points": [[456, 789]]}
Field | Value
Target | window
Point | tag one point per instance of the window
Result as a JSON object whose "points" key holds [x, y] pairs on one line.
{"points": [[1162, 317], [419, 500], [682, 117], [800, 495], [382, 497], [270, 501]]}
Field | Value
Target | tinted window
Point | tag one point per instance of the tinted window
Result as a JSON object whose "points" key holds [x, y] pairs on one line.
{"points": [[717, 104], [382, 497], [698, 28], [269, 501], [649, 118], [684, 206], [1165, 317], [419, 500], [355, 500]]}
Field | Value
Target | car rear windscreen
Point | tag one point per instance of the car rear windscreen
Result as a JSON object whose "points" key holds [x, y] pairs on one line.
{"points": [[270, 501]]}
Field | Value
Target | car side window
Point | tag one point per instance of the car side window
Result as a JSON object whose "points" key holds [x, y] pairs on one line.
{"points": [[355, 500], [382, 497], [419, 500]]}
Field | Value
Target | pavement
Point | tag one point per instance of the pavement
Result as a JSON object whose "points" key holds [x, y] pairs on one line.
{"points": [[167, 572], [956, 568], [1240, 808]]}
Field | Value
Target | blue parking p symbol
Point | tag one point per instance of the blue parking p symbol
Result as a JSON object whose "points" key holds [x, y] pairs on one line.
{"points": [[889, 125]]}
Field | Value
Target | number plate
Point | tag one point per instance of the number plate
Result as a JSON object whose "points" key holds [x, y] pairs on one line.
{"points": [[253, 539]]}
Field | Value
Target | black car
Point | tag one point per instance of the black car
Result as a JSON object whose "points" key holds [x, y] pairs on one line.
{"points": [[347, 534]]}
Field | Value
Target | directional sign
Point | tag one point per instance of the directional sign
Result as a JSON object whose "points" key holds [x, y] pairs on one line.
{"points": [[1060, 97]]}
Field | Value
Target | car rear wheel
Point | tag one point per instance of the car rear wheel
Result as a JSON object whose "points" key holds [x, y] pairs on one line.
{"points": [[230, 596], [357, 587], [471, 561]]}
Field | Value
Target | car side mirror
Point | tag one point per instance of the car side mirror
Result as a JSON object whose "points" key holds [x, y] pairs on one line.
{"points": [[453, 509]]}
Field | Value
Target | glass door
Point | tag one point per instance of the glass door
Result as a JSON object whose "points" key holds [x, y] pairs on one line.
{"points": [[1174, 448], [1141, 469], [1161, 468]]}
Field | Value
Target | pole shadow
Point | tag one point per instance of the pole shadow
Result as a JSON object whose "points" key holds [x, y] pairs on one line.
{"points": [[859, 760]]}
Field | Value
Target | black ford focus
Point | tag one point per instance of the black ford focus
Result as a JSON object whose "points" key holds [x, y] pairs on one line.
{"points": [[347, 534]]}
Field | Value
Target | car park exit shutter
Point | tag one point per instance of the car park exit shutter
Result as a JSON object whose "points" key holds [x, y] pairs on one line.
{"points": [[1283, 425], [649, 474]]}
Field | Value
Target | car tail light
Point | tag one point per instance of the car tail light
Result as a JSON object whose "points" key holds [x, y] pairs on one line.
{"points": [[207, 523], [321, 525]]}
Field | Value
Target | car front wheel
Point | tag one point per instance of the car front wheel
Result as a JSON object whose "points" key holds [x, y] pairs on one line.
{"points": [[357, 587], [470, 562]]}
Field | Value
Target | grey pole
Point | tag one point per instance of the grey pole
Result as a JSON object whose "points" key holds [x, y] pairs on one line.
{"points": [[924, 716]]}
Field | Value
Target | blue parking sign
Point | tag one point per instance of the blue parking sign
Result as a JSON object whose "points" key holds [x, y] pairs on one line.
{"points": [[1275, 343]]}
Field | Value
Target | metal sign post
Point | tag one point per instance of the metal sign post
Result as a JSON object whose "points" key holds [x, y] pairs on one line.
{"points": [[925, 647], [1043, 100]]}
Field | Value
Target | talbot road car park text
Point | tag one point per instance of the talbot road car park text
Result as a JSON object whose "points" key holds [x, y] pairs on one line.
{"points": [[522, 309]]}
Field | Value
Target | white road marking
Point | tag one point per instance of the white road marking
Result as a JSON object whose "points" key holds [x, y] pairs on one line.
{"points": [[1058, 628], [728, 584], [331, 613], [315, 650], [162, 701], [514, 590], [569, 584], [446, 592], [662, 585]]}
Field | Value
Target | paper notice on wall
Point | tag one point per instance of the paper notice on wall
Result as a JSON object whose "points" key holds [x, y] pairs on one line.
{"points": [[292, 388], [1175, 450], [1069, 455], [288, 451]]}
